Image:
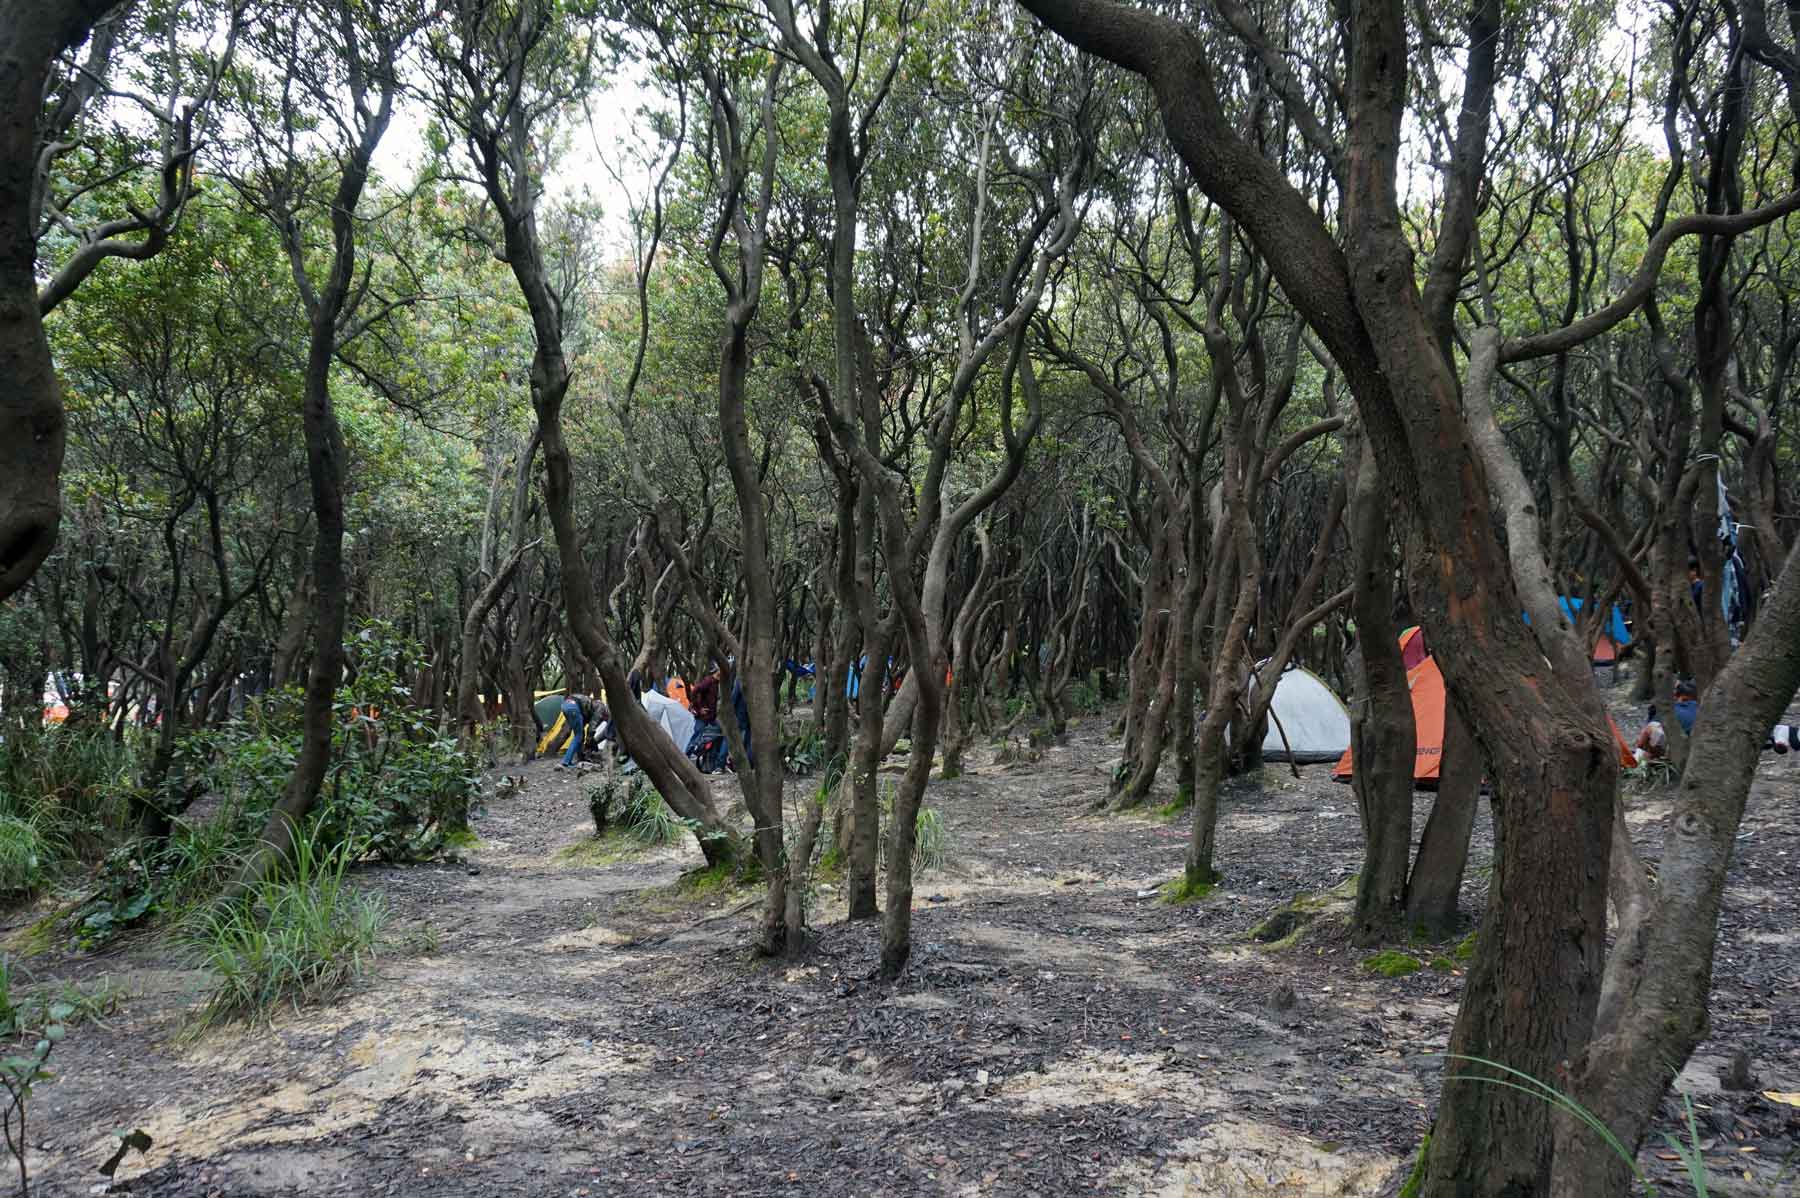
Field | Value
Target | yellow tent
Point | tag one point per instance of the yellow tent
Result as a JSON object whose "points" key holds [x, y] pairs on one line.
{"points": [[558, 731]]}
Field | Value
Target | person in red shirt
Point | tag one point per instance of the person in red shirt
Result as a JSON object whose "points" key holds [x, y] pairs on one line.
{"points": [[703, 701], [703, 697]]}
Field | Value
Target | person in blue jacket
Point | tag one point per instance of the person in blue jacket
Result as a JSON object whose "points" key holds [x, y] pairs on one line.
{"points": [[741, 709]]}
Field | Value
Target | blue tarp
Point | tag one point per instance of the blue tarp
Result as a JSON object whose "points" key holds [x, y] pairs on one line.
{"points": [[1615, 627]]}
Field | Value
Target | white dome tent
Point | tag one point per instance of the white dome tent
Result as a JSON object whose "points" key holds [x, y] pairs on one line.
{"points": [[672, 717], [1314, 724]]}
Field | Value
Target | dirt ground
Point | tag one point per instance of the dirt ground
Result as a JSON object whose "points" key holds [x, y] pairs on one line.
{"points": [[539, 1024]]}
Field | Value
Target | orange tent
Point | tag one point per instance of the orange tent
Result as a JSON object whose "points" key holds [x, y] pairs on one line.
{"points": [[1427, 686], [678, 691], [1605, 651], [1412, 647]]}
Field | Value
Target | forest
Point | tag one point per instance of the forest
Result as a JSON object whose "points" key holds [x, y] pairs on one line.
{"points": [[884, 596]]}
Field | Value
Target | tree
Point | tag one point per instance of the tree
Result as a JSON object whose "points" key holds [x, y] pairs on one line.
{"points": [[47, 97], [343, 65], [499, 74]]}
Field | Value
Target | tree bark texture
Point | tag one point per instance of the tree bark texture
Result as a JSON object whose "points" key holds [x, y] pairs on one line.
{"points": [[32, 34]]}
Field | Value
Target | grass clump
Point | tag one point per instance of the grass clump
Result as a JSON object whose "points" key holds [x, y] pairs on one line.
{"points": [[627, 812], [1465, 948], [461, 839], [63, 796], [1392, 964], [648, 818], [931, 841], [296, 938], [931, 838], [23, 854]]}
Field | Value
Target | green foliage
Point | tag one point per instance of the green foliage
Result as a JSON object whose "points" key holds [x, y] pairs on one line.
{"points": [[803, 754], [396, 787], [931, 840], [647, 817], [25, 1007], [22, 854], [1650, 775], [21, 1072], [714, 881], [63, 797], [1392, 964], [1084, 694], [124, 895], [1416, 1178], [296, 938]]}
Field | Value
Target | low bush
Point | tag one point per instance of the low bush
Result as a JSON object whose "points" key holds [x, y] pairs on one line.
{"points": [[63, 800], [804, 754], [22, 854], [397, 787], [647, 817], [931, 840], [1084, 694], [296, 938]]}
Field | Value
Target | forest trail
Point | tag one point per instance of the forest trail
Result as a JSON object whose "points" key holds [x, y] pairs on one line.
{"points": [[542, 1025]]}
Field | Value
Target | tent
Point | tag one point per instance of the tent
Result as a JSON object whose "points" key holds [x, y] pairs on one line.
{"points": [[1427, 686], [1412, 647], [672, 717], [1315, 721], [548, 709], [678, 690]]}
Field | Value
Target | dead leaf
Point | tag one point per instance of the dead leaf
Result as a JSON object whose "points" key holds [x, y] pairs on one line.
{"points": [[1792, 1099]]}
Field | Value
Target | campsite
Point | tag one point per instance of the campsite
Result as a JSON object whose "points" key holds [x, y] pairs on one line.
{"points": [[899, 597], [1064, 1034]]}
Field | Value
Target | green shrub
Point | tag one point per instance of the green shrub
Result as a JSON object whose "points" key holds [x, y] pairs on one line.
{"points": [[647, 817], [1084, 694], [296, 938], [396, 786], [73, 785], [22, 854], [804, 754]]}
